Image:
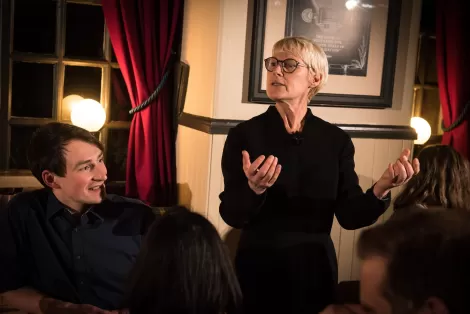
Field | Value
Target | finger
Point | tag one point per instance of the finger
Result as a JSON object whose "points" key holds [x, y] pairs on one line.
{"points": [[405, 153], [252, 170], [275, 175], [246, 160], [403, 159], [400, 173], [407, 165], [416, 165], [391, 171], [256, 164], [409, 170], [263, 170], [270, 173]]}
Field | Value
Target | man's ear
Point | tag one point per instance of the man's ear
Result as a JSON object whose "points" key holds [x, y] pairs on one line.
{"points": [[434, 305], [49, 179]]}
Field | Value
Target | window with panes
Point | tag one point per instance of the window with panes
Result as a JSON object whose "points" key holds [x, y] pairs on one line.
{"points": [[52, 49]]}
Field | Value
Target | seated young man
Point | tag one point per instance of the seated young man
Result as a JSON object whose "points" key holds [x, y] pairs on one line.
{"points": [[416, 262], [68, 247]]}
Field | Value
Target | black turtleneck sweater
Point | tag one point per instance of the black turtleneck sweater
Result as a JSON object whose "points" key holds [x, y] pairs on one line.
{"points": [[317, 181]]}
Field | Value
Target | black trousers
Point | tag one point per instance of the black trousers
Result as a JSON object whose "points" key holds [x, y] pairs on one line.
{"points": [[295, 279]]}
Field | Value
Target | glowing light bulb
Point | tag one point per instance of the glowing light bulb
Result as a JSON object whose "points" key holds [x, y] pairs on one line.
{"points": [[67, 105], [351, 4], [423, 129], [88, 114]]}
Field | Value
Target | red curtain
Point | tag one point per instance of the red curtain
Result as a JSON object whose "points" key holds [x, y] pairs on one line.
{"points": [[453, 68], [143, 33], [122, 101]]}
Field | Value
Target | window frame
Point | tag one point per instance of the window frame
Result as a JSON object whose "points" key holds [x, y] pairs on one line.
{"points": [[421, 85], [58, 58]]}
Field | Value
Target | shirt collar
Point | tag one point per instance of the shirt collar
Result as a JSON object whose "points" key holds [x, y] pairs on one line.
{"points": [[54, 206]]}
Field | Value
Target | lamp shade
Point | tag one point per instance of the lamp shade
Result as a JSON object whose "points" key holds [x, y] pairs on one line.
{"points": [[88, 114], [423, 129]]}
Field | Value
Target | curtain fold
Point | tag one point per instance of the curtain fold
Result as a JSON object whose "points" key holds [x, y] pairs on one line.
{"points": [[453, 66], [143, 33]]}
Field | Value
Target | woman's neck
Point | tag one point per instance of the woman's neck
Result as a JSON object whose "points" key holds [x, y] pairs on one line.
{"points": [[292, 115]]}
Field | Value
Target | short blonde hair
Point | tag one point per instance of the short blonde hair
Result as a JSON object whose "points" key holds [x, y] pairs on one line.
{"points": [[312, 54]]}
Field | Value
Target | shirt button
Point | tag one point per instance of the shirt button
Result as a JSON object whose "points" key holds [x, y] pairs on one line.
{"points": [[75, 229], [78, 257], [81, 282]]}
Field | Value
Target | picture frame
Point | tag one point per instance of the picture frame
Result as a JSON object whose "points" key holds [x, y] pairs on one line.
{"points": [[369, 87]]}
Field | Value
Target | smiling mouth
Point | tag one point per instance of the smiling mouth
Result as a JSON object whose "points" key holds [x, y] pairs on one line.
{"points": [[96, 188], [277, 84]]}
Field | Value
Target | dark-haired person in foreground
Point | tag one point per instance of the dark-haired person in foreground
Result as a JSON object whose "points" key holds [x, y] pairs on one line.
{"points": [[183, 267], [68, 248], [417, 262]]}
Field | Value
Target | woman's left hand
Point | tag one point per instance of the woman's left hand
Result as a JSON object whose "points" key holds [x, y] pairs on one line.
{"points": [[397, 174]]}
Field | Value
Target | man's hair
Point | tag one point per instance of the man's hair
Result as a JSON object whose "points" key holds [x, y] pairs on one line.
{"points": [[427, 254], [47, 147], [183, 267], [444, 180]]}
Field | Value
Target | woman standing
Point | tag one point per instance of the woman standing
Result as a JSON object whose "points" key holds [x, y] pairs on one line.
{"points": [[286, 173]]}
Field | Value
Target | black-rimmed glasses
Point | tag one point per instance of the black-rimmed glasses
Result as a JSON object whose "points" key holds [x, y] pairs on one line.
{"points": [[287, 66]]}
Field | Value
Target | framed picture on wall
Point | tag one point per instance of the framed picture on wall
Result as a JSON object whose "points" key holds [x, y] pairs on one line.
{"points": [[360, 43]]}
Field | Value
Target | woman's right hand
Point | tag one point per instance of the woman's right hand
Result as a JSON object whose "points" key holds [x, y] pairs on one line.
{"points": [[259, 179]]}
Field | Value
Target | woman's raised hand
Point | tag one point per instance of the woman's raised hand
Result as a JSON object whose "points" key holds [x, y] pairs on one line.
{"points": [[262, 173]]}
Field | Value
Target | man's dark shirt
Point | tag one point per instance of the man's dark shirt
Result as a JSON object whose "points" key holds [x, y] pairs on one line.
{"points": [[79, 259]]}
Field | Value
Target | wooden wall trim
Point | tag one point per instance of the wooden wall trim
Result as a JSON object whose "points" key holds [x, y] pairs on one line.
{"points": [[221, 126]]}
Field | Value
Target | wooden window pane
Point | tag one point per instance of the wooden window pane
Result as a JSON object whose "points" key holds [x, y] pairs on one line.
{"points": [[20, 138], [32, 90], [83, 81], [84, 31], [34, 26], [120, 101], [116, 154]]}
